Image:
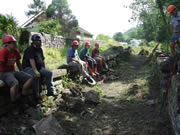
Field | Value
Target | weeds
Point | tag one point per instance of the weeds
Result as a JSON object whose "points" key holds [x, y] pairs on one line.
{"points": [[99, 90]]}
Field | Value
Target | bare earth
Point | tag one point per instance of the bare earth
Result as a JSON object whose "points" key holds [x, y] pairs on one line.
{"points": [[124, 107]]}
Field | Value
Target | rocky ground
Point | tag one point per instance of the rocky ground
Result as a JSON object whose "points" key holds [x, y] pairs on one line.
{"points": [[129, 105]]}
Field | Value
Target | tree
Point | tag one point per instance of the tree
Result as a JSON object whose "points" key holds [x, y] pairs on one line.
{"points": [[153, 17], [51, 27], [118, 37], [36, 7], [8, 25], [103, 37], [59, 9]]}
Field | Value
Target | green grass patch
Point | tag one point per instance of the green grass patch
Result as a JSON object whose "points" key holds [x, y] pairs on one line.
{"points": [[55, 57]]}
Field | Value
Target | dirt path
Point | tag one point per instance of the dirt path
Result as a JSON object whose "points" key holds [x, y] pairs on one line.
{"points": [[124, 108]]}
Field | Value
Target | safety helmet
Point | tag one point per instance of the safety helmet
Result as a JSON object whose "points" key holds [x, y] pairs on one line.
{"points": [[87, 43], [75, 42], [171, 8], [36, 37], [96, 44], [8, 38]]}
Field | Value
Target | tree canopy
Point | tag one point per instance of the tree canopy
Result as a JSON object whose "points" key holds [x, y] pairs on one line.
{"points": [[118, 37], [36, 7], [152, 18], [59, 9]]}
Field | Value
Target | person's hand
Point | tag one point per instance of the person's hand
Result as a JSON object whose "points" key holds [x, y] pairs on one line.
{"points": [[37, 73], [1, 83]]}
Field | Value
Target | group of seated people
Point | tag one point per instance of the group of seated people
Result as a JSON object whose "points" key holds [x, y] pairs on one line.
{"points": [[27, 78], [84, 59], [32, 70]]}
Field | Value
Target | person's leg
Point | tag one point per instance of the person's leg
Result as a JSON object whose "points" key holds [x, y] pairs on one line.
{"points": [[172, 47], [83, 67], [12, 83], [104, 62], [99, 61], [95, 66], [49, 80], [25, 80], [35, 82], [174, 39], [91, 65]]}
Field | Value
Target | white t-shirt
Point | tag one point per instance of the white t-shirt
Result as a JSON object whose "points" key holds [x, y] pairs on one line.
{"points": [[175, 22]]}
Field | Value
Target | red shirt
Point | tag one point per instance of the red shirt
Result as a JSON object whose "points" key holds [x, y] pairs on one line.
{"points": [[8, 58], [95, 52]]}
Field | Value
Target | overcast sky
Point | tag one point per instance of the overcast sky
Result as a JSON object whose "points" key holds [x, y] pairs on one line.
{"points": [[96, 16]]}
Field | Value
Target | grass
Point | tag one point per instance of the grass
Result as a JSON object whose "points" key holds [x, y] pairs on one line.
{"points": [[55, 57]]}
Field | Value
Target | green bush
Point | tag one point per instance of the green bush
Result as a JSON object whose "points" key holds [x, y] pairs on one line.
{"points": [[52, 27]]}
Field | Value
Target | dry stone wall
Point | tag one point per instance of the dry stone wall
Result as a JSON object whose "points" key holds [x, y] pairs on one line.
{"points": [[49, 41], [173, 98]]}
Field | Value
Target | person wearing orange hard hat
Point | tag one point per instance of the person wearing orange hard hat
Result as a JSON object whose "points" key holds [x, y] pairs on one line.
{"points": [[74, 61], [175, 25], [9, 56]]}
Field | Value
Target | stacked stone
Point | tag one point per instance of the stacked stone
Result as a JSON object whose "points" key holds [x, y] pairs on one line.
{"points": [[167, 66]]}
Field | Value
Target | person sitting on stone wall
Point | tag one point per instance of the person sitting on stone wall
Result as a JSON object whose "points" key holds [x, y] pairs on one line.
{"points": [[33, 63], [73, 60], [99, 59], [9, 55], [84, 55]]}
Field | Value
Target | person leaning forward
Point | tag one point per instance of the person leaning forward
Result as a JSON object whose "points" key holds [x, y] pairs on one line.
{"points": [[33, 63], [9, 55]]}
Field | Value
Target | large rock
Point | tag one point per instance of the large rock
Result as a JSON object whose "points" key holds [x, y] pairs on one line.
{"points": [[48, 126], [92, 97]]}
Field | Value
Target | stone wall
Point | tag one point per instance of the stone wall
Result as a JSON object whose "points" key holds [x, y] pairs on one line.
{"points": [[173, 98], [49, 41], [174, 103]]}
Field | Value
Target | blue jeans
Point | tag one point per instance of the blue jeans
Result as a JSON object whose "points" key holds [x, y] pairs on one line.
{"points": [[35, 84], [175, 37]]}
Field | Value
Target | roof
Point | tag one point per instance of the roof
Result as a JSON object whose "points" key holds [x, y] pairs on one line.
{"points": [[84, 31], [29, 21]]}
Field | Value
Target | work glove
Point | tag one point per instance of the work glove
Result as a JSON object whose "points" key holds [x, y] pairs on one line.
{"points": [[1, 83], [37, 73]]}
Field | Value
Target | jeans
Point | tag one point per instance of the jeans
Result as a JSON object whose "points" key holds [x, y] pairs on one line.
{"points": [[35, 84], [175, 37]]}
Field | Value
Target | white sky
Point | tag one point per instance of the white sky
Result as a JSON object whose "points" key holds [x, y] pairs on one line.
{"points": [[96, 16]]}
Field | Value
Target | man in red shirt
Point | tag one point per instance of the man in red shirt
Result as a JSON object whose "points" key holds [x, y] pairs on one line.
{"points": [[98, 58], [9, 55]]}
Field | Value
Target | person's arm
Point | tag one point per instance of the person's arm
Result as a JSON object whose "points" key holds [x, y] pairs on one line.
{"points": [[19, 65], [33, 65], [170, 23], [3, 56], [73, 59]]}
